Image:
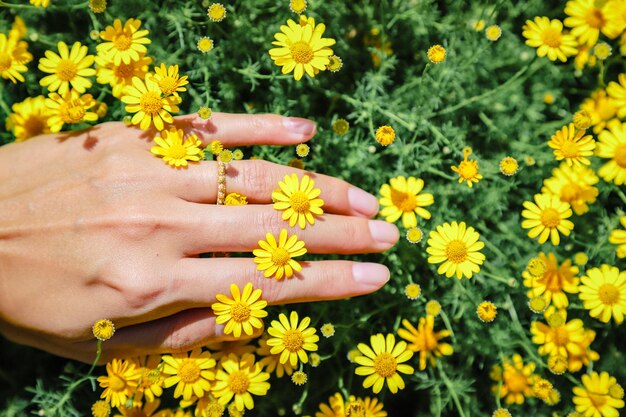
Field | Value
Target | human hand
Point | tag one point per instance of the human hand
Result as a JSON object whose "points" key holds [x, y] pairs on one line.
{"points": [[93, 226]]}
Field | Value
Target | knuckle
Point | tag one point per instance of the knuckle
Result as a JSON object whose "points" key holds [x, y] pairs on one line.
{"points": [[256, 178], [137, 289]]}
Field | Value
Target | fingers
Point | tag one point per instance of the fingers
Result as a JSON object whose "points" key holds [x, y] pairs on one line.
{"points": [[257, 179], [199, 279], [248, 129], [211, 228]]}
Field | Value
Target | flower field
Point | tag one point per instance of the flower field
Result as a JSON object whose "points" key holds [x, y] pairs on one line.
{"points": [[493, 134]]}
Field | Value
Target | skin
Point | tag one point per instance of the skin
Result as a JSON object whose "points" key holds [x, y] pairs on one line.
{"points": [[93, 226]]}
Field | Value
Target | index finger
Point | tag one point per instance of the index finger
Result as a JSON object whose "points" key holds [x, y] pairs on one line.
{"points": [[248, 129]]}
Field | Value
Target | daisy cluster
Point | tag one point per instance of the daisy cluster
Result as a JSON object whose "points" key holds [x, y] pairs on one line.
{"points": [[504, 170]]}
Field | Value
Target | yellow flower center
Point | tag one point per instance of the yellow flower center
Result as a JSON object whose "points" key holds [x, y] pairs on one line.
{"points": [[594, 18], [34, 126], [5, 61], [293, 340], [151, 103], [66, 70], [238, 382], [122, 42], [177, 151], [620, 155], [550, 218], [355, 409], [598, 400], [117, 383], [240, 312], [216, 12], [168, 85], [570, 192], [300, 202], [516, 382], [456, 251], [468, 169], [189, 371], [385, 365], [72, 112], [301, 52], [561, 336], [125, 71], [280, 257], [551, 37], [403, 201], [570, 149], [608, 294]]}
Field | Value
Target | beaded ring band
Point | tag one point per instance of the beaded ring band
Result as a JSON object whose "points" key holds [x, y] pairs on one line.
{"points": [[221, 181]]}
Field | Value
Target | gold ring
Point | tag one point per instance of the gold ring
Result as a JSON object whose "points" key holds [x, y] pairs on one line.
{"points": [[221, 181]]}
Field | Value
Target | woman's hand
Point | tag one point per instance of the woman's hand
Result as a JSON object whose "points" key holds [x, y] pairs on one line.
{"points": [[93, 226]]}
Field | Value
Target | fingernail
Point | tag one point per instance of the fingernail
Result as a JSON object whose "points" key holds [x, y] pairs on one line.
{"points": [[370, 273], [362, 201], [298, 126], [383, 232]]}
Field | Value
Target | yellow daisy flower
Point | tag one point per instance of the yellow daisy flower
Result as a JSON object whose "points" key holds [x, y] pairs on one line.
{"points": [[341, 126], [243, 311], [335, 408], [298, 200], [574, 185], [456, 247], [299, 378], [301, 49], [297, 6], [601, 109], [169, 80], [103, 329], [271, 362], [192, 374], [402, 198], [13, 59], [101, 409], [385, 135], [144, 99], [558, 337], [487, 311], [412, 291], [546, 217], [68, 69], [29, 118], [468, 170], [69, 108], [276, 258], [123, 43], [547, 36], [617, 94], [121, 75], [205, 44], [572, 145], [508, 166], [586, 20], [291, 339], [120, 382], [40, 3], [515, 380], [603, 292], [335, 63], [174, 151], [425, 340], [493, 33], [383, 362], [151, 381], [618, 237], [237, 379], [216, 12], [612, 146], [554, 282], [436, 54], [594, 397]]}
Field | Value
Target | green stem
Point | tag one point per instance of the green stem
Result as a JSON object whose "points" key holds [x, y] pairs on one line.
{"points": [[98, 354], [455, 397], [16, 6]]}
